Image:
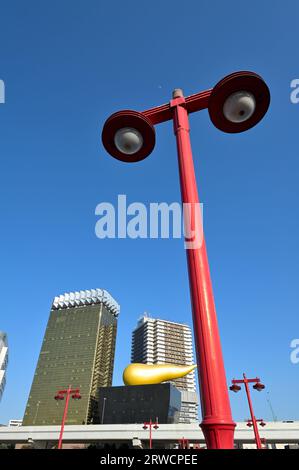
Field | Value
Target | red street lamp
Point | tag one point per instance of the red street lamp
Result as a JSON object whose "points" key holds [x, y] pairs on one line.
{"points": [[184, 443], [235, 104], [261, 421], [75, 393], [151, 425], [253, 421]]}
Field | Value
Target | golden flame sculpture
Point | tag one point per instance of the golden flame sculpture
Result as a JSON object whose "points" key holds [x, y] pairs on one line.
{"points": [[144, 374]]}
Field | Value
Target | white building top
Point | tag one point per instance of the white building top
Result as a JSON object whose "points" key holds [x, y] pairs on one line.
{"points": [[145, 318], [86, 297]]}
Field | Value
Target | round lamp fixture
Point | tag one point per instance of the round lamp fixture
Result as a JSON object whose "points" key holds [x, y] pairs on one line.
{"points": [[59, 397], [235, 388], [128, 140], [128, 136], [239, 106], [259, 386], [238, 102], [76, 396]]}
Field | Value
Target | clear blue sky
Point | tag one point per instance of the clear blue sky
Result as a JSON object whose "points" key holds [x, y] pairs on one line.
{"points": [[67, 66]]}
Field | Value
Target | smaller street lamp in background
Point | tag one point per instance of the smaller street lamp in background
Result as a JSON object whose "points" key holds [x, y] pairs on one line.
{"points": [[184, 443], [75, 393], [253, 421], [261, 421], [151, 425]]}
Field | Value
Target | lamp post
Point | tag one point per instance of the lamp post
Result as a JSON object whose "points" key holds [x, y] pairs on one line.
{"points": [[151, 425], [183, 443], [235, 104], [103, 410], [75, 393], [261, 423], [253, 421]]}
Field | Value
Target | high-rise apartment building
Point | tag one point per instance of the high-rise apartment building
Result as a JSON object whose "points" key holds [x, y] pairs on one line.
{"points": [[3, 361], [78, 350], [156, 341]]}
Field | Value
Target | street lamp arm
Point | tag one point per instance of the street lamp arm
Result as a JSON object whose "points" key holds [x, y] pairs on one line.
{"points": [[242, 381], [158, 114], [198, 101], [193, 103], [70, 390]]}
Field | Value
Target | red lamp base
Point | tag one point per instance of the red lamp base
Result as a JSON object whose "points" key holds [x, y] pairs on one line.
{"points": [[218, 435]]}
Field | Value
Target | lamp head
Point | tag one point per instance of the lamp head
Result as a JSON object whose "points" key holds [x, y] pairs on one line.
{"points": [[76, 396], [259, 386], [128, 140], [128, 136], [239, 106], [238, 102], [59, 397], [235, 388]]}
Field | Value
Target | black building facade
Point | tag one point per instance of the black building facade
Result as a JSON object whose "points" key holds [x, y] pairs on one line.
{"points": [[139, 404]]}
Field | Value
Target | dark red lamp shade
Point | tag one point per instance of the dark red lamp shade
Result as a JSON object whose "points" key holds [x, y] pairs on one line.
{"points": [[76, 396], [248, 82], [235, 388], [59, 397], [133, 120], [259, 386]]}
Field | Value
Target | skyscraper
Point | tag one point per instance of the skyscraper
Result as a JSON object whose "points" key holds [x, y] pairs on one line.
{"points": [[156, 341], [3, 361], [78, 350]]}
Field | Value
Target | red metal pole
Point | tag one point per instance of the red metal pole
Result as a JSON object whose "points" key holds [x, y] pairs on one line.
{"points": [[68, 393], [217, 424], [253, 419]]}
